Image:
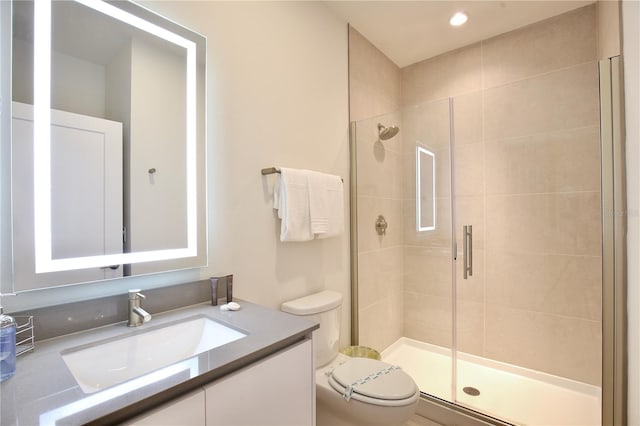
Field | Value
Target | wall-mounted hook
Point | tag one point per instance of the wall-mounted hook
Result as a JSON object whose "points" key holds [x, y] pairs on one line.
{"points": [[152, 170]]}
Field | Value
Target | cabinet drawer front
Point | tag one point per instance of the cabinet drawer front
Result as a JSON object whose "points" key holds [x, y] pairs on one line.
{"points": [[184, 411]]}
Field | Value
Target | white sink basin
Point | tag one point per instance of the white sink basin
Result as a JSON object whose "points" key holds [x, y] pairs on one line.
{"points": [[118, 360]]}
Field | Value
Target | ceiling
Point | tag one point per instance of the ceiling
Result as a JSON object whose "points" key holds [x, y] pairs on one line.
{"points": [[411, 31]]}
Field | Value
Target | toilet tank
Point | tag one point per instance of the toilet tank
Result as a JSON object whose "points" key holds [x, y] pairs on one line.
{"points": [[323, 308]]}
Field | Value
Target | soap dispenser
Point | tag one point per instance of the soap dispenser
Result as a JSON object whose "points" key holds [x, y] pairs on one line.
{"points": [[7, 346]]}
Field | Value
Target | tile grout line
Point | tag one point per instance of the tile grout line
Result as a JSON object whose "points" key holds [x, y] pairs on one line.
{"points": [[542, 74], [507, 139]]}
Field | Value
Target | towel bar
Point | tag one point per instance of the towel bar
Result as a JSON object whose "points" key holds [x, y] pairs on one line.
{"points": [[272, 170]]}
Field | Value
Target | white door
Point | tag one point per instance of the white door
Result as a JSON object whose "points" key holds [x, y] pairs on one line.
{"points": [[86, 202]]}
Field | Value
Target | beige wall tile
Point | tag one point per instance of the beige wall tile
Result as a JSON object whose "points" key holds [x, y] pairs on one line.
{"points": [[470, 327], [409, 174], [555, 43], [564, 99], [564, 161], [545, 223], [427, 124], [428, 319], [469, 169], [366, 102], [375, 81], [381, 323], [555, 284], [368, 210], [467, 118], [427, 271], [379, 273], [567, 347], [446, 75]]}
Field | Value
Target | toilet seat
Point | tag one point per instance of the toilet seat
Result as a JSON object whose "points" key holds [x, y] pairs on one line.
{"points": [[373, 382]]}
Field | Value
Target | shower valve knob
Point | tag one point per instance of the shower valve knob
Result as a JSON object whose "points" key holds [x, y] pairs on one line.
{"points": [[381, 225]]}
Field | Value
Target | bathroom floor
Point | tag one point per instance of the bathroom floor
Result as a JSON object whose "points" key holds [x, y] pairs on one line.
{"points": [[512, 393], [417, 420]]}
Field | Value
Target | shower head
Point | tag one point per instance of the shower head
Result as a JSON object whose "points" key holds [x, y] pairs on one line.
{"points": [[385, 133]]}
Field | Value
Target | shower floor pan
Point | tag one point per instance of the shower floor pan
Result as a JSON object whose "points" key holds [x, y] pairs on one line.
{"points": [[511, 393]]}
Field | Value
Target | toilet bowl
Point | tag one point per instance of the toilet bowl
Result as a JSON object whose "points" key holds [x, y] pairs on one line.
{"points": [[352, 391]]}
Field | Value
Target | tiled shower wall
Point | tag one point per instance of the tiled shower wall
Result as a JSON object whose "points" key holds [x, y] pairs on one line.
{"points": [[526, 127], [527, 177], [375, 90]]}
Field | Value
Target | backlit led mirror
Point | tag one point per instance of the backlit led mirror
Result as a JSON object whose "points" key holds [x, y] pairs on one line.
{"points": [[425, 189], [108, 169]]}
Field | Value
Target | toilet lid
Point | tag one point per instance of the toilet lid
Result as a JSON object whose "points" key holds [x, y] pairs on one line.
{"points": [[374, 379]]}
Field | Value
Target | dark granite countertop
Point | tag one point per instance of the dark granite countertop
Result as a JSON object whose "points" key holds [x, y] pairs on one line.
{"points": [[43, 391]]}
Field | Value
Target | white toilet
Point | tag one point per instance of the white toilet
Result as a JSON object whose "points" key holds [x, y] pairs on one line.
{"points": [[352, 391]]}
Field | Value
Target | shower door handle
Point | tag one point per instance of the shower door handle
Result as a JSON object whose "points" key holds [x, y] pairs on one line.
{"points": [[467, 251]]}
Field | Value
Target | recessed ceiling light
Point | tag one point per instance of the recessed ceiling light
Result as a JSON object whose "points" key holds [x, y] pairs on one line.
{"points": [[458, 19]]}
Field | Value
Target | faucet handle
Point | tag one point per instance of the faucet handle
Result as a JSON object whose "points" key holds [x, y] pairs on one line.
{"points": [[135, 294]]}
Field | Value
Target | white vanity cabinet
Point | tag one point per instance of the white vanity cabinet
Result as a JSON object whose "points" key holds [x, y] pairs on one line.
{"points": [[186, 410], [277, 390]]}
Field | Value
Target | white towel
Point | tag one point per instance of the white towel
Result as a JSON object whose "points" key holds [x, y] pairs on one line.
{"points": [[326, 204], [293, 205]]}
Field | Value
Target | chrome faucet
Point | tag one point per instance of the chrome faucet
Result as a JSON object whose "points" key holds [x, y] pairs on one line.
{"points": [[137, 315]]}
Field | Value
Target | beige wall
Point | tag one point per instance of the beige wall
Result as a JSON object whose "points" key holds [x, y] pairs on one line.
{"points": [[374, 83], [609, 28], [374, 80], [527, 178]]}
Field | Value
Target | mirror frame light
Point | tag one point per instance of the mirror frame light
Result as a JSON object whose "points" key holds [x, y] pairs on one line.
{"points": [[44, 261], [419, 227]]}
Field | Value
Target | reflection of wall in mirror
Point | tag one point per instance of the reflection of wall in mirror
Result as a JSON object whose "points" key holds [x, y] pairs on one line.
{"points": [[153, 108], [143, 84], [77, 85]]}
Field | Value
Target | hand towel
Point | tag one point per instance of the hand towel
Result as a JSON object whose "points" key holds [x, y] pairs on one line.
{"points": [[326, 204], [293, 205]]}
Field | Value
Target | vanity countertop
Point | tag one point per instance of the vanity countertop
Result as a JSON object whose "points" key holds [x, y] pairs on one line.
{"points": [[43, 391]]}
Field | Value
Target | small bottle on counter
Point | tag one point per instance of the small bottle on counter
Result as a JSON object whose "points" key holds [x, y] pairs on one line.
{"points": [[230, 288], [224, 281], [7, 346]]}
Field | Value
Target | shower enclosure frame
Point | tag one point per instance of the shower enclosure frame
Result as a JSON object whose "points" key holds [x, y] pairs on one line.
{"points": [[614, 300]]}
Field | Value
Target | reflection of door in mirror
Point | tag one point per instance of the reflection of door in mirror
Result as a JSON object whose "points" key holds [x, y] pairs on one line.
{"points": [[86, 204]]}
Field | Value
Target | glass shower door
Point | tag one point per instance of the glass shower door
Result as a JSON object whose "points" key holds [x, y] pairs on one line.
{"points": [[528, 314], [428, 248], [404, 245]]}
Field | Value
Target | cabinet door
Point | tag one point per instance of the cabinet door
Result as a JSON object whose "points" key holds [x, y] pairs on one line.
{"points": [[184, 411], [278, 390]]}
